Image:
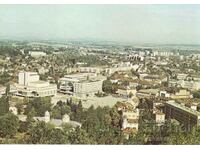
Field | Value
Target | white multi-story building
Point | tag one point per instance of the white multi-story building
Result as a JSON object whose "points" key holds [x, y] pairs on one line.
{"points": [[191, 85], [159, 117], [87, 88], [37, 53], [81, 85], [126, 92], [90, 69], [162, 53], [182, 76], [130, 119], [29, 85], [24, 78], [180, 94]]}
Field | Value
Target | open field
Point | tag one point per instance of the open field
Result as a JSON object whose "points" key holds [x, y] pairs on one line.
{"points": [[95, 101]]}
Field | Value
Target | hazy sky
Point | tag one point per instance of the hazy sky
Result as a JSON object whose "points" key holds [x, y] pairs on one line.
{"points": [[179, 24]]}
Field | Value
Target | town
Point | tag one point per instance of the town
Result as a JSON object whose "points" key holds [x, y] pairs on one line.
{"points": [[83, 92]]}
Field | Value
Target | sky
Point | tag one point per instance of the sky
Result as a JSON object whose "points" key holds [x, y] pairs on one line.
{"points": [[159, 24]]}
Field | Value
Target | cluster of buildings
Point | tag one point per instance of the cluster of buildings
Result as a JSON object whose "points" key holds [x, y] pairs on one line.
{"points": [[161, 78], [48, 119], [80, 85], [178, 93], [185, 81]]}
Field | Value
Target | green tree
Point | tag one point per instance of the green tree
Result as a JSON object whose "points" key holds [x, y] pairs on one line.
{"points": [[19, 107], [4, 101], [4, 105], [108, 87], [30, 116], [39, 133], [80, 136], [60, 109], [56, 112], [57, 136], [9, 125], [40, 105], [196, 94], [115, 117]]}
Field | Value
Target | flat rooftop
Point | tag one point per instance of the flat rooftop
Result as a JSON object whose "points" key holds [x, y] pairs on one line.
{"points": [[184, 108], [153, 91], [39, 82]]}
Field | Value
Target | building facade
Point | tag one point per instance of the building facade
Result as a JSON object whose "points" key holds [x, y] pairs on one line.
{"points": [[81, 85], [130, 119], [185, 115], [29, 85]]}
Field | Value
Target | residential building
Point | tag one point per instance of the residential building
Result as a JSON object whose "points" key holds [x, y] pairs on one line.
{"points": [[163, 53], [89, 70], [182, 76], [147, 93], [130, 119], [126, 92], [185, 115], [127, 105], [188, 84], [159, 117], [179, 94], [37, 53]]}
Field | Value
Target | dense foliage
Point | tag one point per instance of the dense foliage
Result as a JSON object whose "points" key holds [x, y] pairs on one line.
{"points": [[196, 94], [9, 125], [40, 105]]}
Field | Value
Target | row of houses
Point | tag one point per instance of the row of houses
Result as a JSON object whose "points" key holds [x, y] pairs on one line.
{"points": [[179, 93], [189, 84]]}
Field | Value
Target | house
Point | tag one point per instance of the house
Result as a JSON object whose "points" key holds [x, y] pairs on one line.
{"points": [[159, 117], [130, 119], [181, 76], [188, 84], [89, 70], [147, 93], [129, 116], [118, 77], [128, 105], [155, 78], [126, 92], [141, 83], [176, 93]]}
